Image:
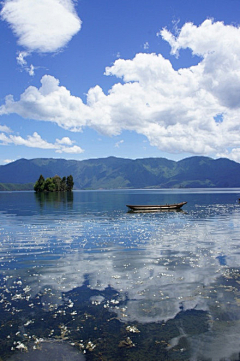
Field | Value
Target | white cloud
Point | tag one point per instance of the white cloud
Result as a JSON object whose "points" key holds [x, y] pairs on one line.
{"points": [[35, 141], [5, 129], [233, 154], [23, 63], [31, 70], [73, 150], [4, 139], [117, 145], [146, 45], [177, 110], [42, 26], [21, 58], [219, 47], [50, 102], [7, 161], [64, 140]]}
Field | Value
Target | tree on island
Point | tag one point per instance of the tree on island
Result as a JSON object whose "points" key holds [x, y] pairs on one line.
{"points": [[39, 185], [63, 184], [70, 183], [54, 184]]}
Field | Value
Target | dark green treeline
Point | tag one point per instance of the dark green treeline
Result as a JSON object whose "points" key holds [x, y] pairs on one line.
{"points": [[54, 184]]}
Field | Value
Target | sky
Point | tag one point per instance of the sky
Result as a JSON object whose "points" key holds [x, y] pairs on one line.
{"points": [[84, 79]]}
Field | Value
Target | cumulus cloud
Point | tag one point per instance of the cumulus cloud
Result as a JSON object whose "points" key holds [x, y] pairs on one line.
{"points": [[43, 26], [219, 46], [50, 102], [65, 141], [64, 145], [233, 154], [5, 129], [177, 110], [73, 150]]}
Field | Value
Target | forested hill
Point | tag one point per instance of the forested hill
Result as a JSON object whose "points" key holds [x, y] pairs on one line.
{"points": [[109, 173]]}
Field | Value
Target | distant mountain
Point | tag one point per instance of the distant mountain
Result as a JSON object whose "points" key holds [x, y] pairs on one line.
{"points": [[110, 173]]}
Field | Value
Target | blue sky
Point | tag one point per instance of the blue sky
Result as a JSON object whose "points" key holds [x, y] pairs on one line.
{"points": [[131, 78]]}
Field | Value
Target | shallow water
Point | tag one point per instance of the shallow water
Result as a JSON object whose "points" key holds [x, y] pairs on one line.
{"points": [[80, 270]]}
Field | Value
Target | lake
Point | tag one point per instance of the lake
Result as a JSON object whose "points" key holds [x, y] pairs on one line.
{"points": [[83, 279]]}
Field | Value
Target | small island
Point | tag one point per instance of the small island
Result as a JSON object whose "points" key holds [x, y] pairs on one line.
{"points": [[54, 184]]}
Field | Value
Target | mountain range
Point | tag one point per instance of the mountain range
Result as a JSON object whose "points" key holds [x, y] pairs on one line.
{"points": [[112, 173]]}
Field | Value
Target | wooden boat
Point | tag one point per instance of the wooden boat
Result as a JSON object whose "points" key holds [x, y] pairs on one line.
{"points": [[156, 208]]}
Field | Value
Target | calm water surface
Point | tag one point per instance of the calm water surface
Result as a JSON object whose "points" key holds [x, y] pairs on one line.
{"points": [[84, 279]]}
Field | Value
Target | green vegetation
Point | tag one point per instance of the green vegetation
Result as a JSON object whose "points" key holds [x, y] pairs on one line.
{"points": [[9, 187], [54, 184]]}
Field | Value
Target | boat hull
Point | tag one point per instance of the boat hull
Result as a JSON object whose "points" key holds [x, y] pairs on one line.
{"points": [[156, 208]]}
